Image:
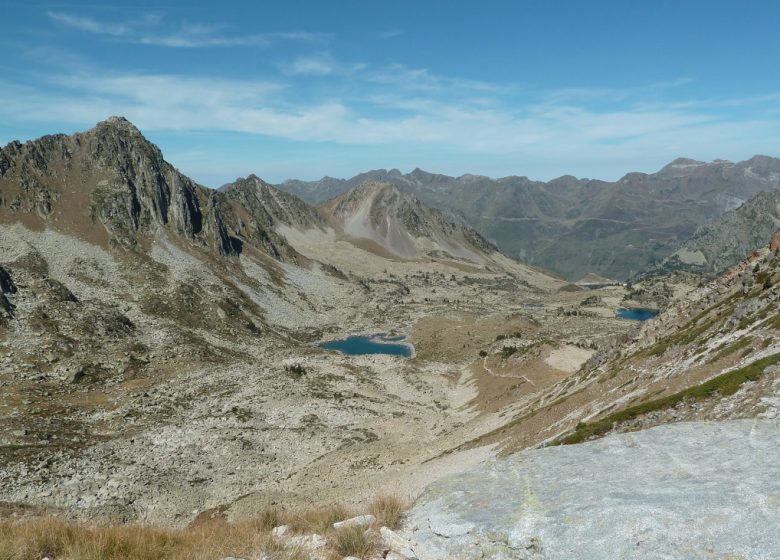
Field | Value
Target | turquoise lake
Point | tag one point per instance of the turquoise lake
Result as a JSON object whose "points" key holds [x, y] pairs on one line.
{"points": [[636, 313], [360, 345]]}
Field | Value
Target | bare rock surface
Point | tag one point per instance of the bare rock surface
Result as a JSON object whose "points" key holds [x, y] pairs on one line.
{"points": [[358, 521], [687, 490]]}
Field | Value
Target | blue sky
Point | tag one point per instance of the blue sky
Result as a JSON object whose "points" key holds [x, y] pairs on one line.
{"points": [[306, 89]]}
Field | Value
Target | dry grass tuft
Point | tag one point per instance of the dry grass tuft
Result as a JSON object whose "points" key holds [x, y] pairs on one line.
{"points": [[318, 520], [269, 518], [389, 510], [353, 541], [34, 539], [210, 537]]}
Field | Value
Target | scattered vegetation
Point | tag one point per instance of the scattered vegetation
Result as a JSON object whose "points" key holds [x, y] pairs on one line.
{"points": [[590, 301], [764, 279], [727, 349], [507, 351], [318, 520], [774, 322], [516, 334], [725, 384], [389, 510], [296, 371], [687, 334], [353, 541], [35, 538]]}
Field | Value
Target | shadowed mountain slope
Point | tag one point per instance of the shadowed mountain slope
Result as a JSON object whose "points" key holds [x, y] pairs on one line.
{"points": [[725, 241]]}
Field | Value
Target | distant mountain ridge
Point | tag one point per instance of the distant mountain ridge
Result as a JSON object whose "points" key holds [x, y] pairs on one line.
{"points": [[576, 226]]}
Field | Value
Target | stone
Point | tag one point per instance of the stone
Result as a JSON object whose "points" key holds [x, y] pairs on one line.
{"points": [[280, 531], [6, 307], [397, 543], [75, 375], [7, 285], [359, 521], [392, 555], [310, 542], [774, 243], [693, 489]]}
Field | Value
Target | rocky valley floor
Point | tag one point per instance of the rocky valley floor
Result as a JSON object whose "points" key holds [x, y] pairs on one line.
{"points": [[158, 423]]}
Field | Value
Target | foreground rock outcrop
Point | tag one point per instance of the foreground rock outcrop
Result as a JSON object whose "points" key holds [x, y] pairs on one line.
{"points": [[687, 490]]}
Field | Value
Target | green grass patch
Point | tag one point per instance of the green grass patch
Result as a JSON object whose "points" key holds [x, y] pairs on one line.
{"points": [[725, 384], [726, 349], [774, 322]]}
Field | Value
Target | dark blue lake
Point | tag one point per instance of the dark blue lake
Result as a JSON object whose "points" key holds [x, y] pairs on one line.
{"points": [[636, 313], [360, 345]]}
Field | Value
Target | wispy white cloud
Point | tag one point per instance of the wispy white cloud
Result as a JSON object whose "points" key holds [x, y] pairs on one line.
{"points": [[422, 79], [391, 33], [171, 102], [90, 25], [413, 109], [604, 94], [150, 29], [320, 64]]}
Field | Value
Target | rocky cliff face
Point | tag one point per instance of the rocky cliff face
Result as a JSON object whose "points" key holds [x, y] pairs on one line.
{"points": [[257, 209], [575, 226], [121, 181], [400, 223], [111, 186]]}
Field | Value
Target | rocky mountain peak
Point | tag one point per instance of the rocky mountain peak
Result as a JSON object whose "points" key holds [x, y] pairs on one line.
{"points": [[116, 138], [120, 124], [268, 207], [112, 186], [685, 162], [400, 223], [376, 188]]}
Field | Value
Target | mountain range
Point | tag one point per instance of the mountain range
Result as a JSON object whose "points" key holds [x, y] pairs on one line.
{"points": [[162, 358], [143, 315], [575, 226]]}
